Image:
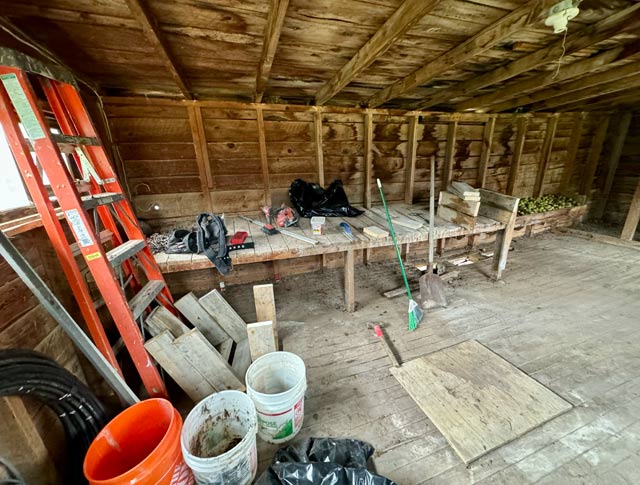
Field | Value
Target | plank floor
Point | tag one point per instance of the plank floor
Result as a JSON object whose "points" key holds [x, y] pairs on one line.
{"points": [[566, 313]]}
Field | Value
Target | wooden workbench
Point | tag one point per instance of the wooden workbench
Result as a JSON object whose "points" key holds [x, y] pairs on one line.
{"points": [[278, 247]]}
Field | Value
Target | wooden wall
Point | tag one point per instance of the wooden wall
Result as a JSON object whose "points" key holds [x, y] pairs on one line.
{"points": [[627, 174], [31, 435], [180, 158]]}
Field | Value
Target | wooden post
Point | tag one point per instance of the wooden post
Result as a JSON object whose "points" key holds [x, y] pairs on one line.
{"points": [[621, 130], [263, 155], [633, 217], [503, 243], [485, 154], [349, 281], [368, 157], [412, 149], [366, 256], [266, 307], [449, 152], [572, 151], [547, 146], [521, 135], [202, 155], [317, 126], [594, 157]]}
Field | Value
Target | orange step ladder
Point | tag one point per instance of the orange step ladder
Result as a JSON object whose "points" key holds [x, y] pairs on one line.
{"points": [[130, 263]]}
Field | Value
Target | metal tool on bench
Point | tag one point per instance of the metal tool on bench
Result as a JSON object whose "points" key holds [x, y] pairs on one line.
{"points": [[284, 232], [346, 229]]}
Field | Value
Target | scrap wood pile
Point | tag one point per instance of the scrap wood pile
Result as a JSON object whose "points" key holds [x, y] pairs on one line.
{"points": [[459, 204], [215, 354]]}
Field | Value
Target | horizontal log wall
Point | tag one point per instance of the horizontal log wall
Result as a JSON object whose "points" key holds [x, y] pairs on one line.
{"points": [[176, 168]]}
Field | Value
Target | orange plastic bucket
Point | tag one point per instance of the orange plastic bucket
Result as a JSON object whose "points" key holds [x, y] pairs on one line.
{"points": [[140, 445]]}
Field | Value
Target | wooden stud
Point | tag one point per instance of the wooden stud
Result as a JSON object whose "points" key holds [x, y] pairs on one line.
{"points": [[366, 256], [505, 27], [485, 154], [215, 304], [449, 152], [178, 367], [263, 156], [349, 281], [191, 308], [151, 30], [261, 339], [547, 146], [511, 96], [521, 135], [241, 359], [407, 15], [572, 151], [592, 34], [412, 150], [621, 130], [633, 216], [317, 126], [202, 155], [272, 31], [368, 157], [265, 304], [203, 356], [594, 157]]}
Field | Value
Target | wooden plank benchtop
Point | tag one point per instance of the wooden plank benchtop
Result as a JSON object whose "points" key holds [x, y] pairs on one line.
{"points": [[269, 248]]}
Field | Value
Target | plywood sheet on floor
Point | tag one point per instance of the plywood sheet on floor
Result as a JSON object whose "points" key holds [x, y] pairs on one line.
{"points": [[477, 400]]}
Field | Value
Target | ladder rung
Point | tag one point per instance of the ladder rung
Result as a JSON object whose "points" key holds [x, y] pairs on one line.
{"points": [[93, 201], [142, 300], [74, 140], [119, 254]]}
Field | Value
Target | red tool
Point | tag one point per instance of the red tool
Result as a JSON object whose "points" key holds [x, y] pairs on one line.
{"points": [[239, 237]]}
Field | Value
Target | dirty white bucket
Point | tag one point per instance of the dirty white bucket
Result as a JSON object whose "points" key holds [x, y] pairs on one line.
{"points": [[276, 382], [219, 439]]}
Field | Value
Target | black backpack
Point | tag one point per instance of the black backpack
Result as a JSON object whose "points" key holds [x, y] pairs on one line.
{"points": [[209, 238]]}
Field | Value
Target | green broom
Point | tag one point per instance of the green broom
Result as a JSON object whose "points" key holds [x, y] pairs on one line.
{"points": [[415, 313]]}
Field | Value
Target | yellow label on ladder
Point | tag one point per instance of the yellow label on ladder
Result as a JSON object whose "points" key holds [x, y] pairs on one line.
{"points": [[92, 256], [23, 107]]}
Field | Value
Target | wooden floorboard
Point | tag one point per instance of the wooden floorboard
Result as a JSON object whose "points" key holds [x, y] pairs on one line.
{"points": [[566, 313]]}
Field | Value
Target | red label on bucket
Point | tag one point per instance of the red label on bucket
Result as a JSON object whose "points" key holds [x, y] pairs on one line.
{"points": [[298, 413], [182, 475]]}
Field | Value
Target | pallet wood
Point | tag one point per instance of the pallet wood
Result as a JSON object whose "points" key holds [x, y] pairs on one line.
{"points": [[241, 359], [260, 339], [203, 356], [216, 306], [476, 399], [458, 218], [266, 308], [448, 199], [188, 377], [161, 319], [193, 311]]}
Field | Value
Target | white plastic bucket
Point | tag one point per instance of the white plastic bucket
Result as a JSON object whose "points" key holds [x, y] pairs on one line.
{"points": [[276, 382], [219, 439]]}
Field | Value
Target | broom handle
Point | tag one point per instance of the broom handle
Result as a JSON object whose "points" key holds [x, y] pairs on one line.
{"points": [[395, 243], [432, 209]]}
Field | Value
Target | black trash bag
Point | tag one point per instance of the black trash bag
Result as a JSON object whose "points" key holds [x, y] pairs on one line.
{"points": [[312, 200], [323, 461]]}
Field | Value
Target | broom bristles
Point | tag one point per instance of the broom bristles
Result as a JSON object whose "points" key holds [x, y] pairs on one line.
{"points": [[415, 315]]}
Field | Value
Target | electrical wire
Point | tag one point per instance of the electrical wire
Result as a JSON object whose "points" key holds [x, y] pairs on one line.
{"points": [[564, 51]]}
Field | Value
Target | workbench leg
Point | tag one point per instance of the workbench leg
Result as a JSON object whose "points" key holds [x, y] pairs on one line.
{"points": [[404, 252], [349, 281], [503, 243], [366, 256]]}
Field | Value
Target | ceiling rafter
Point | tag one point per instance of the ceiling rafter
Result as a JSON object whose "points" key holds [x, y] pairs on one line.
{"points": [[151, 30], [617, 23], [518, 19], [405, 17], [512, 95], [272, 31], [608, 101]]}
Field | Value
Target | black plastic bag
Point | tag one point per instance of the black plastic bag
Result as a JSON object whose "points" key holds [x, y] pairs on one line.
{"points": [[323, 461], [312, 200]]}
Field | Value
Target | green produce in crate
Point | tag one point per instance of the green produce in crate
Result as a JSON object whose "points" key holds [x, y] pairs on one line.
{"points": [[545, 203]]}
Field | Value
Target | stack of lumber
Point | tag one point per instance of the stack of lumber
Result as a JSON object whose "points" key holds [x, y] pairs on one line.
{"points": [[459, 205], [216, 353]]}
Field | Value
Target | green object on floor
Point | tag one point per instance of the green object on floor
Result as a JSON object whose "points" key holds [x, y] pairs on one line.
{"points": [[415, 313]]}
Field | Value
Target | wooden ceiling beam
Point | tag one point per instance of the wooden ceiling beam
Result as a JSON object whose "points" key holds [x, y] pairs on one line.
{"points": [[405, 17], [562, 90], [606, 102], [512, 96], [518, 19], [151, 30], [625, 83], [615, 24], [273, 28]]}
